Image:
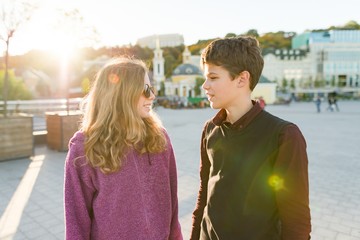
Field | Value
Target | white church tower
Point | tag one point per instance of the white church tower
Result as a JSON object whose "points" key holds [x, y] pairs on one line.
{"points": [[158, 66], [186, 55]]}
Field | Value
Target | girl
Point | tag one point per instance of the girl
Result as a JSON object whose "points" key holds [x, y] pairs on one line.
{"points": [[120, 171]]}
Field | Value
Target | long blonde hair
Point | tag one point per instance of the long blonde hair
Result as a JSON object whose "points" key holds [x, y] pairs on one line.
{"points": [[111, 123]]}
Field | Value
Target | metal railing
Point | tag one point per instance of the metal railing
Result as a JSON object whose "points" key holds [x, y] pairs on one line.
{"points": [[39, 107]]}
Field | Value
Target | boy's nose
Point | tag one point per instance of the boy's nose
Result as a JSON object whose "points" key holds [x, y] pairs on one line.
{"points": [[205, 85]]}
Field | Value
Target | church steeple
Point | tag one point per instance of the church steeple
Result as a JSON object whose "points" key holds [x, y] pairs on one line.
{"points": [[186, 55], [158, 66]]}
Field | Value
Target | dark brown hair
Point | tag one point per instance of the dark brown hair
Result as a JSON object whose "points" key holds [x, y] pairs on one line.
{"points": [[236, 55]]}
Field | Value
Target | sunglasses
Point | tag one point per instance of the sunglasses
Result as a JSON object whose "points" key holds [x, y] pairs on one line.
{"points": [[148, 90]]}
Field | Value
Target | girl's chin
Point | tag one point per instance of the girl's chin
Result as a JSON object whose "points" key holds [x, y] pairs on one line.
{"points": [[145, 114]]}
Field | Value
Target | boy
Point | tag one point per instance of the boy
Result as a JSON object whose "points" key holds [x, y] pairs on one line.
{"points": [[253, 169]]}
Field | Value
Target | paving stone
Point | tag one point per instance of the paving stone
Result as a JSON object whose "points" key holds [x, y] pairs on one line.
{"points": [[333, 150]]}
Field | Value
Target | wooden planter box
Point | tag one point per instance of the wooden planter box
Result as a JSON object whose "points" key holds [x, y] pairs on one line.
{"points": [[61, 126], [16, 137]]}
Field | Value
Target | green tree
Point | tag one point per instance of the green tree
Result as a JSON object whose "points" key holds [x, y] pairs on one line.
{"points": [[198, 83], [292, 84], [276, 40], [170, 65], [284, 84], [308, 83], [253, 32], [173, 58], [162, 89], [332, 83], [12, 15], [319, 83], [85, 85], [229, 35], [16, 89], [201, 44], [146, 54], [352, 25]]}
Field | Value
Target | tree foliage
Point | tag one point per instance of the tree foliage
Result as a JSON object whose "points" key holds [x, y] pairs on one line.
{"points": [[16, 87], [351, 25], [229, 35], [199, 81], [170, 64], [85, 85], [12, 16], [252, 32], [276, 40], [173, 58], [201, 44]]}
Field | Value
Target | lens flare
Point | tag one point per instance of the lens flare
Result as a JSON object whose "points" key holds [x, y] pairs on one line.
{"points": [[276, 182]]}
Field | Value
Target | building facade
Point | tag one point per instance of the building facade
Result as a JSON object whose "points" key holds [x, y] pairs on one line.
{"points": [[331, 57], [158, 66], [290, 65], [164, 40], [337, 57], [266, 90]]}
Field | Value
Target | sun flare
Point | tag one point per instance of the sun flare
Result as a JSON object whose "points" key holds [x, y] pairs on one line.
{"points": [[47, 33]]}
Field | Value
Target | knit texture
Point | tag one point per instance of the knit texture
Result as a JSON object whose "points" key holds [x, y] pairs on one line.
{"points": [[137, 202]]}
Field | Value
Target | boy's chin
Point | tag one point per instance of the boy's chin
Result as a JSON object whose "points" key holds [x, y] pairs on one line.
{"points": [[214, 106]]}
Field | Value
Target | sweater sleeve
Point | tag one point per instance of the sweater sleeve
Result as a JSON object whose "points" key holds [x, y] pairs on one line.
{"points": [[78, 191], [175, 229], [292, 192], [202, 195]]}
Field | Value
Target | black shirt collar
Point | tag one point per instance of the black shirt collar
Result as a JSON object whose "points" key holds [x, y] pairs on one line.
{"points": [[220, 117]]}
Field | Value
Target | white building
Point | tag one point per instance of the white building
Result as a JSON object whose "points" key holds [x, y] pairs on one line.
{"points": [[165, 40], [336, 55], [330, 56], [265, 89], [158, 67], [292, 65], [183, 81], [286, 64], [192, 59]]}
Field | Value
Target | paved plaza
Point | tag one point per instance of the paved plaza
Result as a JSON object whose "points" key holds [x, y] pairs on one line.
{"points": [[31, 197]]}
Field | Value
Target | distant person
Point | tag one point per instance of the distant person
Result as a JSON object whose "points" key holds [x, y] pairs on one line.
{"points": [[335, 105], [254, 166], [330, 103], [318, 104], [120, 171]]}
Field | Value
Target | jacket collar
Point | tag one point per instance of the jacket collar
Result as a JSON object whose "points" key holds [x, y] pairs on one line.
{"points": [[220, 117]]}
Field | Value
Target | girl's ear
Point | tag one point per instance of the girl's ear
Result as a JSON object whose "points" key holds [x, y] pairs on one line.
{"points": [[243, 79]]}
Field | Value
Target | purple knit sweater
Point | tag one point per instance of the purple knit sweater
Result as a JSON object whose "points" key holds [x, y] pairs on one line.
{"points": [[138, 202]]}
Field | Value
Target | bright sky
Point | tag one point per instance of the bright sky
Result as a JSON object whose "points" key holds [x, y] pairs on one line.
{"points": [[120, 22]]}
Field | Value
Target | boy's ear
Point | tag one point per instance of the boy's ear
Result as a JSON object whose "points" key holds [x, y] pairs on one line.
{"points": [[243, 79]]}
